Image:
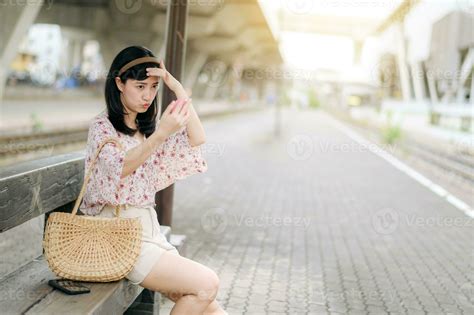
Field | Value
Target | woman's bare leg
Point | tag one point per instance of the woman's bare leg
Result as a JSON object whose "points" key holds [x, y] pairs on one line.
{"points": [[212, 309], [193, 285]]}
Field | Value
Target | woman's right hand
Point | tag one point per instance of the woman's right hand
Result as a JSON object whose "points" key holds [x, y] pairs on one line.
{"points": [[174, 117]]}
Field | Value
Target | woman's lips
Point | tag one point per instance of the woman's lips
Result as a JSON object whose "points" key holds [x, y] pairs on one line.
{"points": [[146, 105]]}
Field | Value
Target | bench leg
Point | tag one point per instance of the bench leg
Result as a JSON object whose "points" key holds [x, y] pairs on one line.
{"points": [[147, 303]]}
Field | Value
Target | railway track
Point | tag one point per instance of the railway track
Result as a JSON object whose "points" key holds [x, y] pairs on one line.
{"points": [[11, 145], [27, 142], [452, 160], [457, 162]]}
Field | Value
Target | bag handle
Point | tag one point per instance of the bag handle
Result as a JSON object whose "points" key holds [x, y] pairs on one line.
{"points": [[88, 175]]}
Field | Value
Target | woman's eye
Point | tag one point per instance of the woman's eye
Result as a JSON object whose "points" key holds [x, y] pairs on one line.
{"points": [[140, 86]]}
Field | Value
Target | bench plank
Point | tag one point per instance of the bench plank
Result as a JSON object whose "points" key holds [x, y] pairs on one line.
{"points": [[30, 189], [27, 292], [104, 298], [23, 288]]}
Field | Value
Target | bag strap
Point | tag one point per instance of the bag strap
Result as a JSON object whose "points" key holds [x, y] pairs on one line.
{"points": [[88, 175]]}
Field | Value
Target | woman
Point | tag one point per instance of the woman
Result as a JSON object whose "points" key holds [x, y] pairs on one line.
{"points": [[152, 155]]}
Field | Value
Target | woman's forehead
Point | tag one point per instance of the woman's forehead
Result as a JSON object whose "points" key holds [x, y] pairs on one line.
{"points": [[149, 80]]}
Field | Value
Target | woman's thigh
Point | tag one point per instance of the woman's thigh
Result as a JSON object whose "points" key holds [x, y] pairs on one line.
{"points": [[175, 275]]}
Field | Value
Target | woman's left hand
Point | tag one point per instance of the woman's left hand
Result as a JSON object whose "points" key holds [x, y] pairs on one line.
{"points": [[170, 81]]}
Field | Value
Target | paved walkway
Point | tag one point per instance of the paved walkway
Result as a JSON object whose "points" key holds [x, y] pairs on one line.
{"points": [[313, 223]]}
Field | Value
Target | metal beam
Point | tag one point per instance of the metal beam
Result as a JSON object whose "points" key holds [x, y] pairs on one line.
{"points": [[398, 15]]}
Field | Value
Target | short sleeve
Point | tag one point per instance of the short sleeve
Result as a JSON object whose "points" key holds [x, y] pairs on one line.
{"points": [[175, 159], [105, 180]]}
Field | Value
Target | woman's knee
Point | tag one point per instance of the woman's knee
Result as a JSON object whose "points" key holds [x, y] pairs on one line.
{"points": [[209, 287]]}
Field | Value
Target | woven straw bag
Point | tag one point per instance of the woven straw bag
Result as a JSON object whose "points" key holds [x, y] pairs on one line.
{"points": [[92, 249]]}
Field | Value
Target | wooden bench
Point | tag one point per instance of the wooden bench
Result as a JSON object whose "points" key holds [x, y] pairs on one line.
{"points": [[28, 193]]}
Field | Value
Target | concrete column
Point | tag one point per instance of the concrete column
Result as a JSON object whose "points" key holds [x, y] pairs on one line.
{"points": [[471, 95], [418, 81], [236, 82], [77, 52], [15, 20], [466, 71], [432, 87], [402, 63], [64, 58]]}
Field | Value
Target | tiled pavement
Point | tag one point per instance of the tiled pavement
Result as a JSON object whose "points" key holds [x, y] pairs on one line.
{"points": [[313, 223]]}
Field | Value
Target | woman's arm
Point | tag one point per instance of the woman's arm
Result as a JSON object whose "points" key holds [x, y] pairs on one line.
{"points": [[170, 123], [139, 154], [194, 128]]}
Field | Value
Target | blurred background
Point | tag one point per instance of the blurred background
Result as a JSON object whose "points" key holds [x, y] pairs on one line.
{"points": [[331, 110], [407, 64], [401, 71]]}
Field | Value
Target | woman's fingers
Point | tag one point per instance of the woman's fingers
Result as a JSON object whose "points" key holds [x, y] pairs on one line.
{"points": [[170, 107], [155, 72], [178, 106], [181, 106], [188, 117], [185, 106]]}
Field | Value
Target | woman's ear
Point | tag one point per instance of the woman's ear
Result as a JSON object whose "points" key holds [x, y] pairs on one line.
{"points": [[119, 84]]}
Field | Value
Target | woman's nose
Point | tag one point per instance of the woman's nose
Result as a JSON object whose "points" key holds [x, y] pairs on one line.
{"points": [[148, 96]]}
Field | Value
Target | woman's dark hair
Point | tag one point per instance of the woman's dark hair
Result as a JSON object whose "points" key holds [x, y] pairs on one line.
{"points": [[146, 122]]}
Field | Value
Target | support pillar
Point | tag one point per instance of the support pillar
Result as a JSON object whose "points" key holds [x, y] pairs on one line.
{"points": [[15, 20], [402, 64], [177, 14], [417, 75]]}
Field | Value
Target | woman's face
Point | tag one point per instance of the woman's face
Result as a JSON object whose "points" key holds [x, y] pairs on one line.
{"points": [[136, 95]]}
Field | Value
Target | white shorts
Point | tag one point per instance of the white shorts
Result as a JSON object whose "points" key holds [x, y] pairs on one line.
{"points": [[154, 243]]}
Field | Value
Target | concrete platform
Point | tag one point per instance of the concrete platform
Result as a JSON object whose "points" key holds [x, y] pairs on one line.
{"points": [[314, 223]]}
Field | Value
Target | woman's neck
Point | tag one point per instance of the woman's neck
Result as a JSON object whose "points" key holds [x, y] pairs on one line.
{"points": [[130, 120], [129, 117]]}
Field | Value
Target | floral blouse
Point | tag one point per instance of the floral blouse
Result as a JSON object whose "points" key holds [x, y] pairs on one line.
{"points": [[173, 160]]}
